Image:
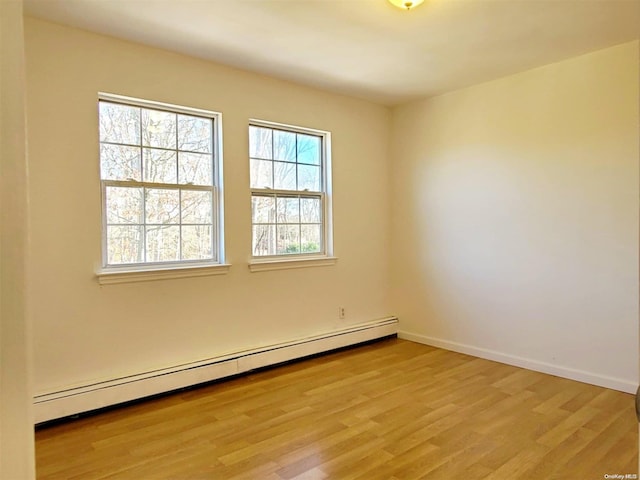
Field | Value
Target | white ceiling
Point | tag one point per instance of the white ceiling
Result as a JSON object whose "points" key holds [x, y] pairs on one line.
{"points": [[363, 48]]}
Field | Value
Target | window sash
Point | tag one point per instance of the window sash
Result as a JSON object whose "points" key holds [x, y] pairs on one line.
{"points": [[163, 186], [279, 194], [144, 185]]}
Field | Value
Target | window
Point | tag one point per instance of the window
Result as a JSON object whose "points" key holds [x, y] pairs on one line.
{"points": [[160, 184], [289, 191]]}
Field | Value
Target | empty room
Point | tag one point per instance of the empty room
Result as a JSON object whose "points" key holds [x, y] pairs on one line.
{"points": [[318, 239]]}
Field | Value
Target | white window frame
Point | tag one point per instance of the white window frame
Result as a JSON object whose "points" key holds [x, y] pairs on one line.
{"points": [[136, 272], [300, 260]]}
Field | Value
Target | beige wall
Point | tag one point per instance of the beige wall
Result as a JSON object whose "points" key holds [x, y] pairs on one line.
{"points": [[16, 420], [515, 218], [509, 227], [85, 332]]}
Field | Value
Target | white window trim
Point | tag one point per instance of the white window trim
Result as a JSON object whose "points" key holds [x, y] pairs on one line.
{"points": [[280, 263], [150, 273], [127, 273], [326, 257]]}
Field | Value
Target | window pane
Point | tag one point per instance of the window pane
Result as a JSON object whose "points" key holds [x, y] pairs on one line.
{"points": [[288, 210], [260, 142], [261, 174], [124, 244], [196, 242], [309, 149], [124, 205], [284, 176], [119, 163], [288, 239], [311, 238], [158, 129], [119, 123], [195, 134], [264, 240], [160, 166], [162, 206], [263, 209], [196, 207], [195, 168], [284, 146], [163, 243], [310, 210], [309, 178]]}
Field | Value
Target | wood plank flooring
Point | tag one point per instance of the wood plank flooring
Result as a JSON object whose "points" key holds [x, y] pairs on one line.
{"points": [[392, 410]]}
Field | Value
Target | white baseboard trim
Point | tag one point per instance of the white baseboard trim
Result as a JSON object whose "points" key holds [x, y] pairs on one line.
{"points": [[79, 399], [530, 364]]}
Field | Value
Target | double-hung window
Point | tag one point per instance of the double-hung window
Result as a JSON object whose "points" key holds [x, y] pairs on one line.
{"points": [[160, 172], [289, 192]]}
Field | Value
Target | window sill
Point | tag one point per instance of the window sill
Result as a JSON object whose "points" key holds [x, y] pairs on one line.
{"points": [[285, 264], [109, 277]]}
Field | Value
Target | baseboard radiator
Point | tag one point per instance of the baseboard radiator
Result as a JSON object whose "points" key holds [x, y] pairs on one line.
{"points": [[64, 403]]}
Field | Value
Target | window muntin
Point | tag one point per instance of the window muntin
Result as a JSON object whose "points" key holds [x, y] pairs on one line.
{"points": [[158, 170], [288, 191]]}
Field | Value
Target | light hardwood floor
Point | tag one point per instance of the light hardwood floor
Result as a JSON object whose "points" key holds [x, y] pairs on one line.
{"points": [[389, 410]]}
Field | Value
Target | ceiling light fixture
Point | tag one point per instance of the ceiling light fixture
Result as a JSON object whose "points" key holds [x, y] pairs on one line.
{"points": [[406, 4]]}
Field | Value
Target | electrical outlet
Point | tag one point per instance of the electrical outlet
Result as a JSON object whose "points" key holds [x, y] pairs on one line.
{"points": [[341, 313]]}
